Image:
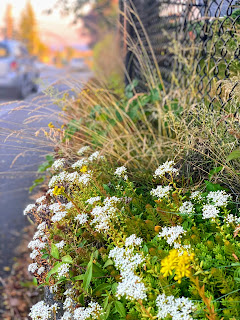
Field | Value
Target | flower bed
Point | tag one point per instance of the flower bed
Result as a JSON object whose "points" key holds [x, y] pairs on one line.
{"points": [[113, 246]]}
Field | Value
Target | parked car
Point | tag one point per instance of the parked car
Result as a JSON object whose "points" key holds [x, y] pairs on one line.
{"points": [[18, 71], [77, 64]]}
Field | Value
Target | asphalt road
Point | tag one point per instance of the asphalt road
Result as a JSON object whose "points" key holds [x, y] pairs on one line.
{"points": [[22, 151]]}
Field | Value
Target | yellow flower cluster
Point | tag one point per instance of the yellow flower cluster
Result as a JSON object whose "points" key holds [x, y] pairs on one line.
{"points": [[58, 190], [84, 169], [180, 262]]}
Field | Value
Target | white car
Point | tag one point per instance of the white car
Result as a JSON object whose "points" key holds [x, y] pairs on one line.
{"points": [[18, 71], [77, 64]]}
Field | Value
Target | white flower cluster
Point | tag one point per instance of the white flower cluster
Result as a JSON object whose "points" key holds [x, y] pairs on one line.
{"points": [[93, 311], [166, 167], [209, 211], [102, 215], [121, 172], [93, 199], [29, 208], [40, 311], [230, 218], [60, 244], [69, 178], [177, 308], [63, 270], [58, 210], [82, 150], [196, 195], [94, 156], [187, 208], [172, 234], [67, 316], [219, 198], [161, 192], [37, 244], [133, 241], [82, 218], [80, 163], [58, 164], [126, 261], [41, 199]]}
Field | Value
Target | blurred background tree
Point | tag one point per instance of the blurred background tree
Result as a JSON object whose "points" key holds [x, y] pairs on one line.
{"points": [[8, 22], [100, 22], [28, 30]]}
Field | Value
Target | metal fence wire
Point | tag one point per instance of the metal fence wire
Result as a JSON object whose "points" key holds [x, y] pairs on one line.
{"points": [[207, 32]]}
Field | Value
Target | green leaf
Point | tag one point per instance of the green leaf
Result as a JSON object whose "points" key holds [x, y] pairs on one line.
{"points": [[88, 275], [213, 186], [67, 259], [97, 271], [54, 251], [120, 308], [106, 187], [235, 154], [54, 270], [109, 262], [44, 256], [80, 277], [105, 315], [35, 282], [214, 171], [102, 287]]}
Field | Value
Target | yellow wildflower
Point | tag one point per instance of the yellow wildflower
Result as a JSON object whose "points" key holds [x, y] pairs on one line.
{"points": [[180, 262], [84, 169], [58, 190], [50, 125]]}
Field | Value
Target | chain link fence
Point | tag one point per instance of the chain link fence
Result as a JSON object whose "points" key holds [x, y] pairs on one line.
{"points": [[200, 37]]}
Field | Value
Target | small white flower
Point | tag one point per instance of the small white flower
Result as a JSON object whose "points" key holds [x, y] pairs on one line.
{"points": [[133, 240], [84, 179], [80, 163], [33, 267], [187, 208], [67, 303], [95, 156], [34, 254], [82, 150], [42, 226], [58, 164], [63, 270], [219, 198], [69, 205], [166, 167], [29, 208], [93, 199], [161, 192], [41, 199], [67, 316], [60, 244], [230, 218], [176, 308], [82, 218], [132, 288], [38, 244], [209, 211], [54, 288], [40, 311], [42, 207], [58, 216], [196, 195], [171, 234], [40, 270], [93, 311], [121, 172]]}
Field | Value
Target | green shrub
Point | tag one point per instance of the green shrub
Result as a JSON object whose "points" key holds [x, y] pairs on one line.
{"points": [[112, 248]]}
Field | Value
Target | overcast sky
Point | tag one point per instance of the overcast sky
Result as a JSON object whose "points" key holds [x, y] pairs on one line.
{"points": [[54, 23]]}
